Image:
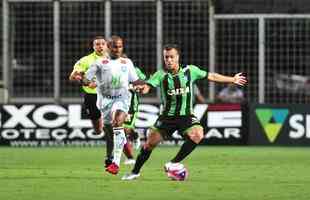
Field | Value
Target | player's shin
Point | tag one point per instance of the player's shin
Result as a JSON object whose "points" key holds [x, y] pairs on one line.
{"points": [[187, 147], [141, 159], [119, 142], [128, 150], [109, 142]]}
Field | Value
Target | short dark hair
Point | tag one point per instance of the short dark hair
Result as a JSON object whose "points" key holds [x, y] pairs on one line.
{"points": [[115, 38], [168, 47], [98, 37]]}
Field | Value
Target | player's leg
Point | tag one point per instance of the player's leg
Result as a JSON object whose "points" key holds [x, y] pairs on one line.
{"points": [[93, 112], [162, 126], [118, 114], [105, 105], [129, 126], [193, 134], [152, 141], [128, 150], [97, 121], [108, 136], [97, 124], [95, 115], [108, 130], [192, 139]]}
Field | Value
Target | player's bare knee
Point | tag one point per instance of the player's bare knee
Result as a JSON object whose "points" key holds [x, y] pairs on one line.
{"points": [[196, 136], [199, 137], [118, 122]]}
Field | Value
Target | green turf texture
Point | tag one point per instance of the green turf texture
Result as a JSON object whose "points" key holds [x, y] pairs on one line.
{"points": [[251, 173]]}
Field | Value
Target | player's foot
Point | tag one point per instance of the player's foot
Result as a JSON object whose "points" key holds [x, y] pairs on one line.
{"points": [[168, 165], [137, 143], [107, 162], [130, 177], [130, 161], [112, 169]]}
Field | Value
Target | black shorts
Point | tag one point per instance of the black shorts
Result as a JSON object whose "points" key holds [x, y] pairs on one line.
{"points": [[90, 106], [167, 125]]}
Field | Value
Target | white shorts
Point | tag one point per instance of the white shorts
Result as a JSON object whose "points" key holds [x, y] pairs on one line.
{"points": [[109, 106]]}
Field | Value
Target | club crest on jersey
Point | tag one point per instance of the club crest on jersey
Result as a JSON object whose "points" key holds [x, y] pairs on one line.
{"points": [[178, 91], [124, 68]]}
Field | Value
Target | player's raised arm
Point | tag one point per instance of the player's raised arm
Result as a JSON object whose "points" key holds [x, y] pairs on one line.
{"points": [[237, 79]]}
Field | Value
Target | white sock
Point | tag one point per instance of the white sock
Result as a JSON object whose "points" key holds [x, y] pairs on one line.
{"points": [[119, 142]]}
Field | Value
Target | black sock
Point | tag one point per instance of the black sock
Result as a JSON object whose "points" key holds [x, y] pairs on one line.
{"points": [[109, 140], [141, 159], [187, 147]]}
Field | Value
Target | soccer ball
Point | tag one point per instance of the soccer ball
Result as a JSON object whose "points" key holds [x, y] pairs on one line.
{"points": [[176, 172]]}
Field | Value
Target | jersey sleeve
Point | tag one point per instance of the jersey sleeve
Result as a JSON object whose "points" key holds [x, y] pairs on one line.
{"points": [[155, 79], [197, 73], [80, 65], [140, 74], [90, 73], [132, 75]]}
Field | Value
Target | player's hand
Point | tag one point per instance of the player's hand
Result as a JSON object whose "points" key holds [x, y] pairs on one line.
{"points": [[142, 88], [239, 79], [78, 76], [92, 84], [137, 88]]}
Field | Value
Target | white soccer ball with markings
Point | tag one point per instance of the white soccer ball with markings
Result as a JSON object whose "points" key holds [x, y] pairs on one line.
{"points": [[176, 171]]}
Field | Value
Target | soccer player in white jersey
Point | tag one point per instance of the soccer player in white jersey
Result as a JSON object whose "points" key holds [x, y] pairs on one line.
{"points": [[112, 81]]}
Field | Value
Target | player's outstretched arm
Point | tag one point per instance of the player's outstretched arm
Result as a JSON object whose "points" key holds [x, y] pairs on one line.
{"points": [[237, 79]]}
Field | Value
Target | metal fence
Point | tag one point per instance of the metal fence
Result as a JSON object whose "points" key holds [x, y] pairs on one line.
{"points": [[42, 39], [272, 49]]}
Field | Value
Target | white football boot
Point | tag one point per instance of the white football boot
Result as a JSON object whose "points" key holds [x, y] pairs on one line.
{"points": [[130, 177]]}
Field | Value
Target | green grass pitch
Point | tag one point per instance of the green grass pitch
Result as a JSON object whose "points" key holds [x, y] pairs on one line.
{"points": [[251, 173]]}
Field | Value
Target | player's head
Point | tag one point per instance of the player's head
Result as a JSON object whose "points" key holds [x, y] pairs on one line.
{"points": [[116, 46], [171, 54], [100, 45]]}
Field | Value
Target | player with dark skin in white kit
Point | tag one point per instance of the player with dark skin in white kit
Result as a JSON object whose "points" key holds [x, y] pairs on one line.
{"points": [[112, 79]]}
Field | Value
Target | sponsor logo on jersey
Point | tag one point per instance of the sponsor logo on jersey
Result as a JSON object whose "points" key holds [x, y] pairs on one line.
{"points": [[105, 61], [178, 91]]}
